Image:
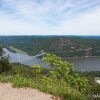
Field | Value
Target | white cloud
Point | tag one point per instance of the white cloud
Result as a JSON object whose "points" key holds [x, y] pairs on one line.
{"points": [[84, 24], [50, 17], [12, 26]]}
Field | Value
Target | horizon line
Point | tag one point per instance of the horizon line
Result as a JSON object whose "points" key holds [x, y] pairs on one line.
{"points": [[49, 35]]}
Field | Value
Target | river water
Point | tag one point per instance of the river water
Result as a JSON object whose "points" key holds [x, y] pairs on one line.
{"points": [[81, 64], [86, 63], [24, 59]]}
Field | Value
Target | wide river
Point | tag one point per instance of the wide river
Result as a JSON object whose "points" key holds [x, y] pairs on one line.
{"points": [[86, 63], [81, 64]]}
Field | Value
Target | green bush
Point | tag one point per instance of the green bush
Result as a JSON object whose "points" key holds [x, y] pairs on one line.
{"points": [[37, 71], [62, 70]]}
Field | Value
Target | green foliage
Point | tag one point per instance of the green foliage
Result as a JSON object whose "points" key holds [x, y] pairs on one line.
{"points": [[60, 88], [63, 70], [20, 81], [21, 70], [37, 70], [93, 87], [50, 86]]}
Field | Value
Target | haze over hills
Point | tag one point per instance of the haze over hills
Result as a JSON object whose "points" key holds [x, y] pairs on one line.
{"points": [[66, 46]]}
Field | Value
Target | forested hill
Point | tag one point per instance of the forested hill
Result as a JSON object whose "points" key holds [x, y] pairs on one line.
{"points": [[60, 45]]}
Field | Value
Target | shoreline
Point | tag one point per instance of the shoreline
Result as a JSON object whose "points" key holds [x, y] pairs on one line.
{"points": [[83, 57]]}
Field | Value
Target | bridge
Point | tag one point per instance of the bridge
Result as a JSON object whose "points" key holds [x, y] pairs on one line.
{"points": [[24, 58]]}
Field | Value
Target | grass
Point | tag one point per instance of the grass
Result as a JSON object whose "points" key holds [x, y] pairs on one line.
{"points": [[57, 89], [24, 76]]}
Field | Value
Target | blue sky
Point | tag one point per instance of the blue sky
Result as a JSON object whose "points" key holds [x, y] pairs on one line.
{"points": [[49, 17]]}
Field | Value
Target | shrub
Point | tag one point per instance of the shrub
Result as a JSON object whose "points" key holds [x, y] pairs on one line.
{"points": [[62, 70], [37, 71]]}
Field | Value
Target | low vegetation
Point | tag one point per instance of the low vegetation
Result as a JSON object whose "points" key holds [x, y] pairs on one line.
{"points": [[93, 90], [61, 80]]}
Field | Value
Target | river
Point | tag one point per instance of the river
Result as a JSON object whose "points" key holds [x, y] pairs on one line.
{"points": [[81, 64], [86, 63]]}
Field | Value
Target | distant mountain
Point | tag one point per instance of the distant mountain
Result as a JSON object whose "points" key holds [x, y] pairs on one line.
{"points": [[61, 45], [91, 37]]}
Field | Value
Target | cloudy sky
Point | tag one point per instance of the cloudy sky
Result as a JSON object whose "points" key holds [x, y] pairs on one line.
{"points": [[49, 17]]}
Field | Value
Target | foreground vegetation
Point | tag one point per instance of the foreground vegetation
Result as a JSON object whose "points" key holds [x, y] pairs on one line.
{"points": [[61, 80], [23, 79]]}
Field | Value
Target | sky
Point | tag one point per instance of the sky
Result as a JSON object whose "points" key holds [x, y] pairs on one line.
{"points": [[49, 17]]}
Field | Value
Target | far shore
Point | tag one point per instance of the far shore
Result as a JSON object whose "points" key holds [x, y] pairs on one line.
{"points": [[83, 57]]}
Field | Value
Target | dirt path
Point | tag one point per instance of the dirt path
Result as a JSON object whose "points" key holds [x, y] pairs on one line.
{"points": [[9, 93]]}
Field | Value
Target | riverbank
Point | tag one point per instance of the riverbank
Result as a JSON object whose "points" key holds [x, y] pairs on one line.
{"points": [[83, 57]]}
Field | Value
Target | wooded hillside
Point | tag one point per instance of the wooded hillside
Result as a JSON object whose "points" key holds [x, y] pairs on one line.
{"points": [[60, 45]]}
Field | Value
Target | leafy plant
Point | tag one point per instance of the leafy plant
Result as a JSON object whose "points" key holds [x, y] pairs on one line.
{"points": [[62, 70], [37, 70]]}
